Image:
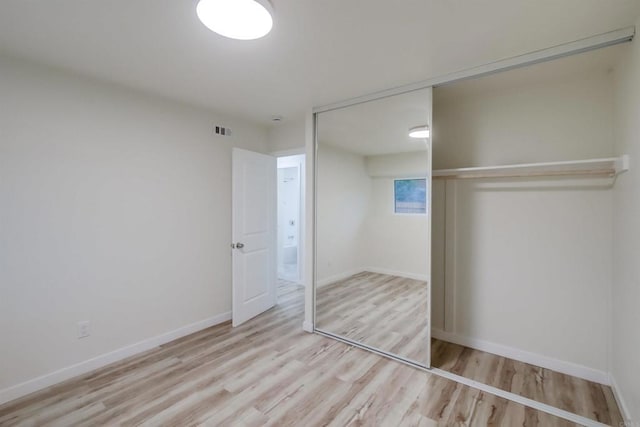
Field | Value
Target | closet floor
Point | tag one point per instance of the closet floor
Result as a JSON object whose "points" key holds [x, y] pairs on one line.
{"points": [[265, 372], [582, 397]]}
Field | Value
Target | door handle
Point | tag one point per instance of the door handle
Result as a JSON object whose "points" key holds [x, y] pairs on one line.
{"points": [[237, 245]]}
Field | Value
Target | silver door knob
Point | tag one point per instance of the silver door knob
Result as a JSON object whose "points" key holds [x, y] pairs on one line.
{"points": [[239, 245]]}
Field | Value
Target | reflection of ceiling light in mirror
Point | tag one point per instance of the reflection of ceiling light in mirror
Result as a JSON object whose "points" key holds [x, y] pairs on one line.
{"points": [[419, 132], [236, 19]]}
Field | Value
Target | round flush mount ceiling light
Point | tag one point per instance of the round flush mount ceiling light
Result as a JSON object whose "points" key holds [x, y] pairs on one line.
{"points": [[236, 19], [419, 132]]}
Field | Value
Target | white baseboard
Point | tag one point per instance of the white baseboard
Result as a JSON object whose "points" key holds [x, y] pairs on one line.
{"points": [[414, 276], [39, 383], [626, 414], [347, 274], [561, 366], [337, 277]]}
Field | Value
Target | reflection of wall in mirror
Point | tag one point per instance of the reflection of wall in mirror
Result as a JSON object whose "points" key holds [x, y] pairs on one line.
{"points": [[357, 228], [343, 196]]}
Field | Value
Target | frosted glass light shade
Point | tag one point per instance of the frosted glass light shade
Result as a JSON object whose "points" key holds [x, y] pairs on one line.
{"points": [[236, 19]]}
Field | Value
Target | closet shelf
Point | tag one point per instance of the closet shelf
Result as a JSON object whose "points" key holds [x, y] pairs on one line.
{"points": [[607, 167]]}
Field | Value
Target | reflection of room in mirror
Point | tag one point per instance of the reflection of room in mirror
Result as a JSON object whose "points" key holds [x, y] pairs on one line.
{"points": [[372, 259]]}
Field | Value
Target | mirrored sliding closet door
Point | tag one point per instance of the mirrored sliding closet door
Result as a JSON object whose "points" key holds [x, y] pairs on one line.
{"points": [[373, 219]]}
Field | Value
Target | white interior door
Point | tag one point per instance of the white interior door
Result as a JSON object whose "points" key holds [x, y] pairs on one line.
{"points": [[254, 234]]}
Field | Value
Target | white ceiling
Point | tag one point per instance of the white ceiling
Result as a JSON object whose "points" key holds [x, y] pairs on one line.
{"points": [[320, 51], [377, 127]]}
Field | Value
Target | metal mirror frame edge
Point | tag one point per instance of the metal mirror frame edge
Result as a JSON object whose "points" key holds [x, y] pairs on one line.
{"points": [[611, 38], [357, 101]]}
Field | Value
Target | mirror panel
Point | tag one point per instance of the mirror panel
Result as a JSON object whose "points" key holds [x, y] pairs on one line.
{"points": [[373, 219]]}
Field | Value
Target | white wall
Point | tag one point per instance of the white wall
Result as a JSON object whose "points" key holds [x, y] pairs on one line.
{"points": [[532, 267], [114, 208], [626, 235], [555, 118], [287, 135], [528, 262], [343, 194]]}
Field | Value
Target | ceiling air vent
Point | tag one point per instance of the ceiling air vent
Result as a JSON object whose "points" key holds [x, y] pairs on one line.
{"points": [[219, 130]]}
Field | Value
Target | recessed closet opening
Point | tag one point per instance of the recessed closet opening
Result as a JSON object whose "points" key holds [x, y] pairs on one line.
{"points": [[514, 246], [519, 174]]}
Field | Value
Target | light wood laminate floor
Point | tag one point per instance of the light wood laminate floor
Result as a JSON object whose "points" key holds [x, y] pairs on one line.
{"points": [[375, 308], [265, 372], [582, 397]]}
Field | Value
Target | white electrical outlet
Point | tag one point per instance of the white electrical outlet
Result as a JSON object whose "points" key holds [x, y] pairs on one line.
{"points": [[84, 329]]}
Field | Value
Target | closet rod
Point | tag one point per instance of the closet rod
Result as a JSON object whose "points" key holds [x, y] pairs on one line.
{"points": [[595, 172], [608, 167]]}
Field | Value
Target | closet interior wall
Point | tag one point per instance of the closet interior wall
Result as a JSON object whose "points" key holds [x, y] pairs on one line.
{"points": [[521, 264], [625, 334]]}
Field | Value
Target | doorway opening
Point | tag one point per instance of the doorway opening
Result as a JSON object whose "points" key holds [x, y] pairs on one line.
{"points": [[290, 233]]}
